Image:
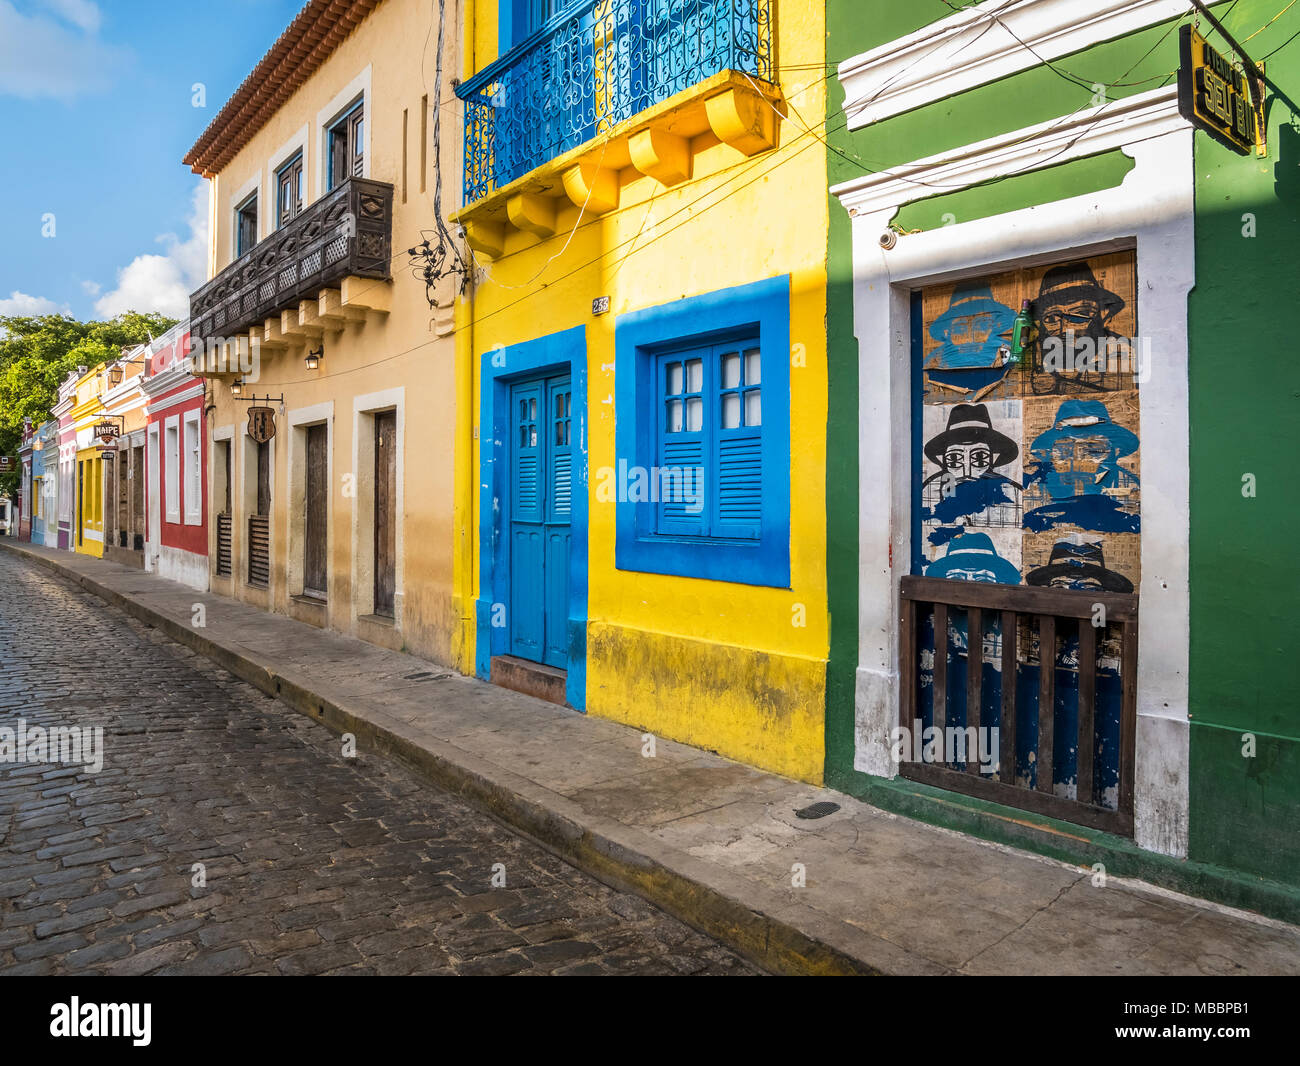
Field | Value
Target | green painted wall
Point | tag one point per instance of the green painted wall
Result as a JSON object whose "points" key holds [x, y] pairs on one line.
{"points": [[1245, 813], [1245, 409]]}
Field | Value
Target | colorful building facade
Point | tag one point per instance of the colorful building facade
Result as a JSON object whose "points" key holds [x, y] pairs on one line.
{"points": [[45, 481], [123, 403], [641, 495], [174, 448], [66, 464], [1035, 449], [332, 394], [23, 512], [88, 470]]}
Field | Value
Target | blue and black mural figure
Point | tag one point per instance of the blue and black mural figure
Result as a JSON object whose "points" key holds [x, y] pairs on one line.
{"points": [[1081, 565], [1077, 472], [1077, 350], [972, 352], [972, 557], [968, 490]]}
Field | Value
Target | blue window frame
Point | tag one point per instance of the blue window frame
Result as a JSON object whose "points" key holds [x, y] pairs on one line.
{"points": [[703, 436]]}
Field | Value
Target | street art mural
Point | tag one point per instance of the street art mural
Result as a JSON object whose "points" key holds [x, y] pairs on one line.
{"points": [[1078, 345], [1028, 472], [975, 470]]}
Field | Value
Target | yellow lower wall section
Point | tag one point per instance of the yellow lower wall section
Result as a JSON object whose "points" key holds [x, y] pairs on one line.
{"points": [[753, 706]]}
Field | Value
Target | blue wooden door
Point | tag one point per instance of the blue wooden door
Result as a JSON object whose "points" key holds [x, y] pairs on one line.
{"points": [[541, 498]]}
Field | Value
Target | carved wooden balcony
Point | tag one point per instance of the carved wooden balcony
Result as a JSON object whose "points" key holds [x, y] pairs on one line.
{"points": [[348, 232]]}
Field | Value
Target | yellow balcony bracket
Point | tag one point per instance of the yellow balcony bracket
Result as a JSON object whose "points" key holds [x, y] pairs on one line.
{"points": [[532, 214], [742, 120], [486, 238], [592, 186], [661, 155]]}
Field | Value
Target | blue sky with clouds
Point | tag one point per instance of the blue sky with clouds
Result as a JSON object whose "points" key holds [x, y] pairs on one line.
{"points": [[96, 108]]}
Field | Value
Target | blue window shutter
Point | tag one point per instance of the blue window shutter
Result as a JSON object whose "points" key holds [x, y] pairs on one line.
{"points": [[681, 473], [739, 485], [528, 423], [560, 475]]}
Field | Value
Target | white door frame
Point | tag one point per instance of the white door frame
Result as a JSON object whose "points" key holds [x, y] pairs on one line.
{"points": [[1152, 210]]}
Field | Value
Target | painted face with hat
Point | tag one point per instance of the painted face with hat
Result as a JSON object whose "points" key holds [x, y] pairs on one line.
{"points": [[972, 557], [968, 486], [1083, 448], [1078, 564], [1070, 303], [970, 331]]}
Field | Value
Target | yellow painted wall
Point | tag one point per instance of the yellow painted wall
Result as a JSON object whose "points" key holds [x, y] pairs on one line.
{"points": [[720, 665], [410, 349]]}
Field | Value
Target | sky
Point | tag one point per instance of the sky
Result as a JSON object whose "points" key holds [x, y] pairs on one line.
{"points": [[97, 104]]}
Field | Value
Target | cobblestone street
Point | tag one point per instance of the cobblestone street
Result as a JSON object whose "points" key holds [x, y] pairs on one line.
{"points": [[314, 863]]}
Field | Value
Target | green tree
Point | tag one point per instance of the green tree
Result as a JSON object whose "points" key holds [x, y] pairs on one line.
{"points": [[37, 353]]}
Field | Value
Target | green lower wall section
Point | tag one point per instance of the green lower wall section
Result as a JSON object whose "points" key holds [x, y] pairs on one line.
{"points": [[1246, 810]]}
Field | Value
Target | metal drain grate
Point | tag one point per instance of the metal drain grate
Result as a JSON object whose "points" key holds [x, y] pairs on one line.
{"points": [[817, 810]]}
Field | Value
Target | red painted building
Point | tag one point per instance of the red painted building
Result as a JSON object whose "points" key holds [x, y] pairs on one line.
{"points": [[176, 464]]}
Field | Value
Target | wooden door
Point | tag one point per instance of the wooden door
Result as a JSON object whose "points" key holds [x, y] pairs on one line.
{"points": [[314, 533], [385, 511], [541, 498]]}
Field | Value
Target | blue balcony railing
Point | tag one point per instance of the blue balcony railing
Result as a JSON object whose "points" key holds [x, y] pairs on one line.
{"points": [[596, 64]]}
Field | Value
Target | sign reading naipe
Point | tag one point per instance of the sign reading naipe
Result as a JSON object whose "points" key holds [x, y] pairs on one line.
{"points": [[261, 423], [107, 433], [1213, 94]]}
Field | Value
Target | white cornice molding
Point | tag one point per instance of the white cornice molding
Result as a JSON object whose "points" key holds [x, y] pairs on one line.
{"points": [[1083, 133], [972, 48], [176, 400], [166, 379]]}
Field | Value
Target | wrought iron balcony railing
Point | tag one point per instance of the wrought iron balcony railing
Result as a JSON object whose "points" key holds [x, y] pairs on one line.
{"points": [[348, 231], [596, 64]]}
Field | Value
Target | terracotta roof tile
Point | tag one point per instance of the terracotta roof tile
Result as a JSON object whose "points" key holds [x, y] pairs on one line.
{"points": [[316, 31]]}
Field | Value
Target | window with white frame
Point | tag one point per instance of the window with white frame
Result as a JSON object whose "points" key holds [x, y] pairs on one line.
{"points": [[193, 470], [171, 471]]}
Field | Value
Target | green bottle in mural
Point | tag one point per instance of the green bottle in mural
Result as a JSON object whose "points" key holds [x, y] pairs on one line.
{"points": [[1019, 333]]}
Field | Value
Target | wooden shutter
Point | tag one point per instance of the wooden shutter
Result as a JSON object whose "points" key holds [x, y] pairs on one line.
{"points": [[356, 129], [317, 489], [683, 427], [385, 511], [259, 524], [738, 446], [528, 495]]}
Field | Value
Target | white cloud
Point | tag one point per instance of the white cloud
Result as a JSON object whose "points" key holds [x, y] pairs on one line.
{"points": [[163, 283], [19, 303], [42, 56], [92, 288], [81, 13]]}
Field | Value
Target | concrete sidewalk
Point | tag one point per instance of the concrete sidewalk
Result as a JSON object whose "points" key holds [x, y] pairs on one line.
{"points": [[713, 842]]}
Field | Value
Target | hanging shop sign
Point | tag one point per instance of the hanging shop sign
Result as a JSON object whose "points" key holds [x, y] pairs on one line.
{"points": [[7, 464], [106, 434], [1214, 96], [261, 423]]}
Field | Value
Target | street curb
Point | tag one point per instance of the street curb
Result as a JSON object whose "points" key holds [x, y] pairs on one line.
{"points": [[758, 923]]}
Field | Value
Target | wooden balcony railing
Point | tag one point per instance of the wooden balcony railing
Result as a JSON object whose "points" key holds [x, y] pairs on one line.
{"points": [[971, 656], [347, 232]]}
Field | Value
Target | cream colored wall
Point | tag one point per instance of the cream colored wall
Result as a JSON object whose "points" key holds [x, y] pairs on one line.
{"points": [[410, 348]]}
